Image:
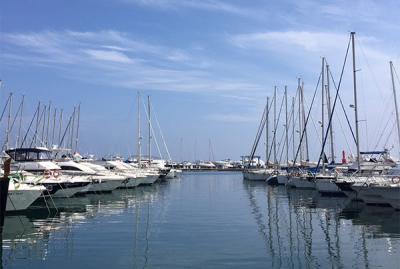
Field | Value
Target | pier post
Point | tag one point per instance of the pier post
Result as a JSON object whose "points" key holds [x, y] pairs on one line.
{"points": [[4, 181]]}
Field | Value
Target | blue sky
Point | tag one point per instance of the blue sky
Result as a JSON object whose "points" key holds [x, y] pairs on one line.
{"points": [[208, 65]]}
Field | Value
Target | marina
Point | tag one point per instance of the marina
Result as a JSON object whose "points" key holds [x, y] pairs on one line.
{"points": [[199, 134], [285, 210]]}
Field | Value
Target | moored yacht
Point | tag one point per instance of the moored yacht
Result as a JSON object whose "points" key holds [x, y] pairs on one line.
{"points": [[120, 168], [378, 190], [257, 174], [100, 182], [301, 180], [21, 195], [38, 169]]}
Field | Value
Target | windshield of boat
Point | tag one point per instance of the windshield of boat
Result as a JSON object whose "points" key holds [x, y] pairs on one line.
{"points": [[29, 154], [44, 155]]}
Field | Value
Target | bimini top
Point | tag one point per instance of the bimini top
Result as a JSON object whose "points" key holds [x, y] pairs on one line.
{"points": [[29, 154]]}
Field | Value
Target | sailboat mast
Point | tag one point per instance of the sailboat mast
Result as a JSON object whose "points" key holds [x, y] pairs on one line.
{"points": [[395, 103], [77, 128], [37, 124], [286, 129], [328, 95], [304, 121], [48, 125], [72, 130], [20, 120], [60, 127], [8, 121], [44, 125], [275, 159], [293, 130], [322, 110], [54, 127], [149, 111], [139, 136], [355, 100], [267, 133], [300, 122], [322, 99]]}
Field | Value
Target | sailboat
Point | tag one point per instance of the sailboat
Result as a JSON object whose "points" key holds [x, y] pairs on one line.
{"points": [[375, 189], [254, 170]]}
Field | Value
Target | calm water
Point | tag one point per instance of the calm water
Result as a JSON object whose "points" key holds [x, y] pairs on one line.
{"points": [[204, 220]]}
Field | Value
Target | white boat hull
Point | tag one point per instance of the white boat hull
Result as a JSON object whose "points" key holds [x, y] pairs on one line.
{"points": [[148, 179], [21, 199], [326, 186], [105, 186], [131, 183], [301, 183], [69, 192], [171, 174], [379, 195], [282, 179], [256, 175]]}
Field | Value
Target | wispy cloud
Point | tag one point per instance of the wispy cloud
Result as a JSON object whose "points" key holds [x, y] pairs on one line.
{"points": [[109, 55], [231, 118], [208, 5], [308, 41], [122, 61], [306, 46]]}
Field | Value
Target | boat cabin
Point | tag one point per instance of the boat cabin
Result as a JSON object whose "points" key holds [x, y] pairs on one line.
{"points": [[29, 154]]}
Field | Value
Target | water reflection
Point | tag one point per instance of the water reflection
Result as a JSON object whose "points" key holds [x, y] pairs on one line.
{"points": [[301, 228], [30, 235]]}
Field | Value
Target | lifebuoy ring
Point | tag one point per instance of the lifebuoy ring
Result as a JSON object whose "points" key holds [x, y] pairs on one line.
{"points": [[47, 173], [396, 180], [56, 174]]}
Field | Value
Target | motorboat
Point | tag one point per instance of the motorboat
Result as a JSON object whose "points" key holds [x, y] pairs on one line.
{"points": [[21, 195], [37, 168], [100, 182], [123, 169]]}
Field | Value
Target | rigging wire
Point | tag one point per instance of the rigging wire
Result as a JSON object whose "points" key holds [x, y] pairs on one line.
{"points": [[333, 108], [389, 135], [259, 132], [162, 136], [275, 129], [306, 121], [383, 131], [342, 105], [152, 131]]}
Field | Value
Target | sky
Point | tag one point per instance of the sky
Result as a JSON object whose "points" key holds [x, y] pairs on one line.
{"points": [[208, 67]]}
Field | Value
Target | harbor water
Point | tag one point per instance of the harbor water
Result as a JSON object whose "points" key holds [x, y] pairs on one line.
{"points": [[203, 220]]}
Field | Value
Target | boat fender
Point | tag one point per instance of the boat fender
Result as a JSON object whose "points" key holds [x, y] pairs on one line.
{"points": [[56, 174], [396, 180]]}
